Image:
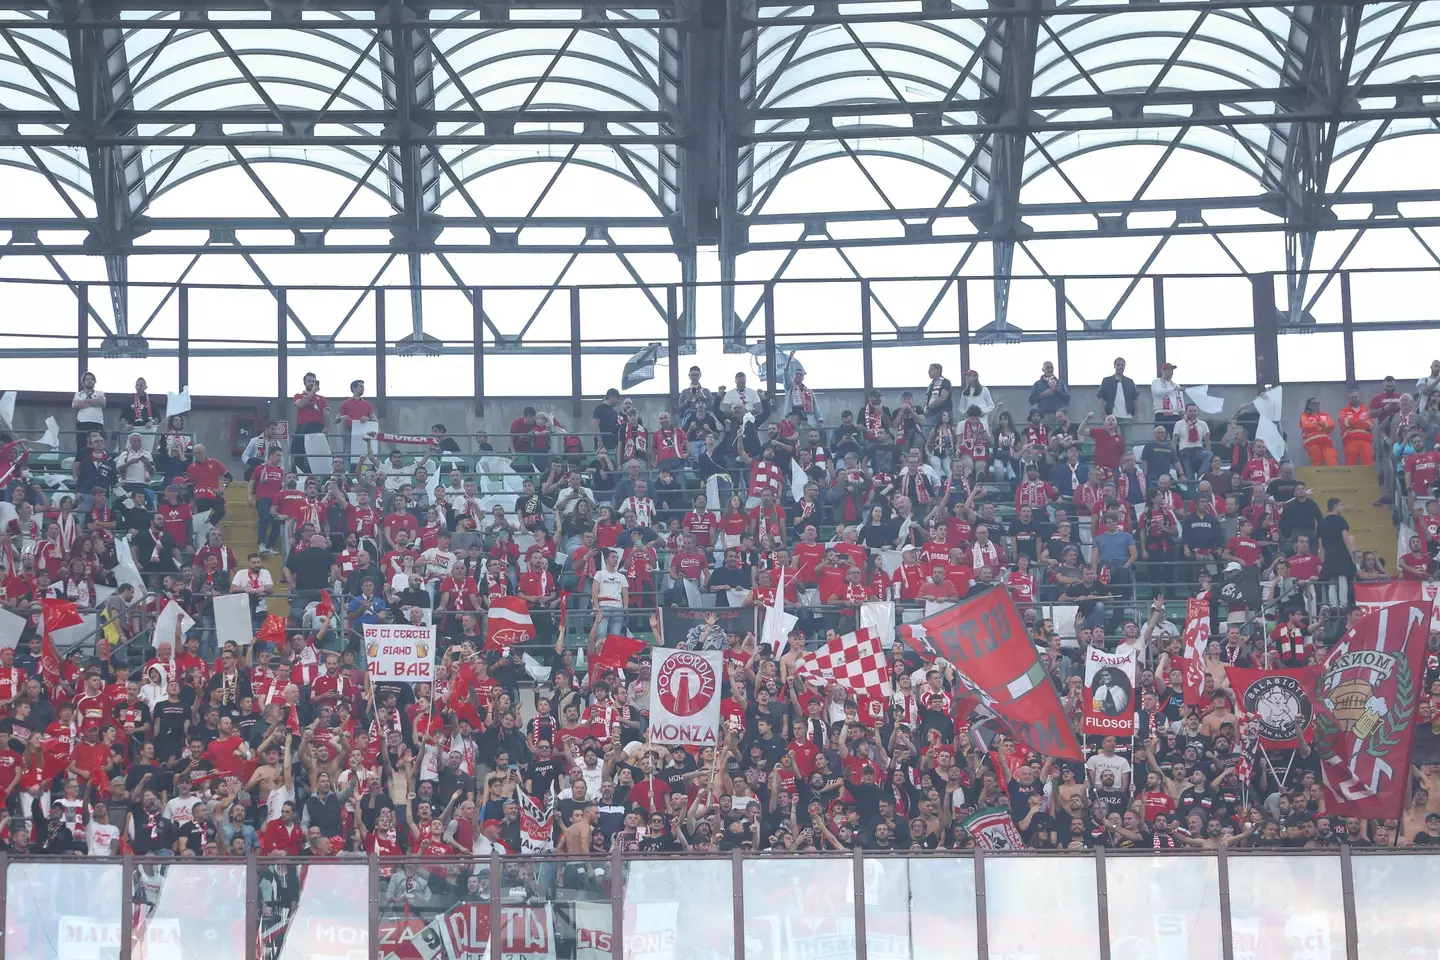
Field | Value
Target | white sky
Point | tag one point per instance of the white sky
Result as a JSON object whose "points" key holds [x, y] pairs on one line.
{"points": [[827, 311]]}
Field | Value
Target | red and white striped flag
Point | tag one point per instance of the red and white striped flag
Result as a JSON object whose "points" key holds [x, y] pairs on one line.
{"points": [[509, 623], [856, 661]]}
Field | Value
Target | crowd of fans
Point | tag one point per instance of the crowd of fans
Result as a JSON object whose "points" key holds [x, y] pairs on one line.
{"points": [[175, 745]]}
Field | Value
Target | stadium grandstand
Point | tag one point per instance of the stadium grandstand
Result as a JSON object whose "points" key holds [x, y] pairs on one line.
{"points": [[689, 480]]}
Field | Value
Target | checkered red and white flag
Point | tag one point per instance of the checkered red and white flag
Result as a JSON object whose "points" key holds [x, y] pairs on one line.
{"points": [[856, 661]]}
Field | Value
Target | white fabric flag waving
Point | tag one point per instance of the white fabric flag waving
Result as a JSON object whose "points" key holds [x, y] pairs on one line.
{"points": [[685, 696], [778, 623]]}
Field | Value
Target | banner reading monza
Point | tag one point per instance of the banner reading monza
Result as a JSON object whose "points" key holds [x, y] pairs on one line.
{"points": [[985, 640], [1109, 693], [1365, 708], [685, 696]]}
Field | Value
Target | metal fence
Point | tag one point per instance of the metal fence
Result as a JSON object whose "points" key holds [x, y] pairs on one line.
{"points": [[1282, 904]]}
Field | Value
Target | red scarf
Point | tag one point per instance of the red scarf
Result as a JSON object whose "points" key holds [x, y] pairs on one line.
{"points": [[1194, 427], [874, 419], [634, 445], [140, 404]]}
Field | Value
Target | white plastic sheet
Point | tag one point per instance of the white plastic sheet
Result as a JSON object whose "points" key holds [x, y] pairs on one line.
{"points": [[232, 619], [1208, 405], [177, 403], [164, 631], [11, 626], [51, 437], [7, 407]]}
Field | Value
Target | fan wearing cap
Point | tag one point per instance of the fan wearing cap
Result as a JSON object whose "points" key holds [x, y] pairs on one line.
{"points": [[1167, 396]]}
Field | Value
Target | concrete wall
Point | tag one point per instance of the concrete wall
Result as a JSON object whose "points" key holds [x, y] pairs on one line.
{"points": [[213, 419]]}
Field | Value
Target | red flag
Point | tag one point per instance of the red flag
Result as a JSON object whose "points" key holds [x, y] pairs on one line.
{"points": [[1277, 703], [292, 720], [273, 629], [1194, 641], [614, 653], [1365, 706], [326, 606], [49, 660], [58, 614], [985, 640], [509, 623]]}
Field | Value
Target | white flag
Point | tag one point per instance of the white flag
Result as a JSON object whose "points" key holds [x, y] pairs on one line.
{"points": [[7, 407], [778, 623], [51, 437], [177, 403]]}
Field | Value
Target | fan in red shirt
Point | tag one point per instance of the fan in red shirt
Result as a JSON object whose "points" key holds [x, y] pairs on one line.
{"points": [[400, 518], [1242, 548], [207, 477], [808, 554], [700, 523], [1415, 565], [1304, 565], [362, 519], [284, 834], [228, 753], [355, 408], [176, 515], [1421, 470]]}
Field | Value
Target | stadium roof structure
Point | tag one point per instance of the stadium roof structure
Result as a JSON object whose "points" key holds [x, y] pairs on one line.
{"points": [[414, 143]]}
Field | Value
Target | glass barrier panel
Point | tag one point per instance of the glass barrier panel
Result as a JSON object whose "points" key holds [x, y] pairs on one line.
{"points": [[190, 909], [317, 911], [920, 908], [1286, 906], [679, 908], [558, 909], [1020, 892], [1395, 913], [435, 906], [59, 911], [1163, 907], [799, 909]]}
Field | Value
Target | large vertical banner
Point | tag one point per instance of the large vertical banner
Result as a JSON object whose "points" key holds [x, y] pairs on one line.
{"points": [[685, 696], [1109, 693], [985, 640], [1365, 708]]}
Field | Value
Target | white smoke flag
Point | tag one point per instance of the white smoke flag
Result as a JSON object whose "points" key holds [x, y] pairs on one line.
{"points": [[778, 623]]}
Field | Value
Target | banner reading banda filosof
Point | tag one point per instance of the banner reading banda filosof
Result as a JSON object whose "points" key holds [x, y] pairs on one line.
{"points": [[685, 696], [399, 653], [1109, 693]]}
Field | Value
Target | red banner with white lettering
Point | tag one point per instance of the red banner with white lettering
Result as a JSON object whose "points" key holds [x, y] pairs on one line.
{"points": [[1365, 710], [986, 642], [1375, 596], [1194, 641]]}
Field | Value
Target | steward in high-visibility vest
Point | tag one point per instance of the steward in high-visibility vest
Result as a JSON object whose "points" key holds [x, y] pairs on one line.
{"points": [[1357, 431], [1316, 426]]}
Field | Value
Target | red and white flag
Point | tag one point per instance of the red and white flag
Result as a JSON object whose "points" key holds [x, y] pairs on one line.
{"points": [[856, 661], [1194, 641], [509, 623]]}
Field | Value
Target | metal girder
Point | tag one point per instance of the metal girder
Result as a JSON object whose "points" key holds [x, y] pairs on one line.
{"points": [[407, 69], [1318, 56], [117, 171], [1008, 68]]}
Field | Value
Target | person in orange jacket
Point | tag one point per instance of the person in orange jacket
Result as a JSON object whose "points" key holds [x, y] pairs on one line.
{"points": [[1357, 431], [1316, 426]]}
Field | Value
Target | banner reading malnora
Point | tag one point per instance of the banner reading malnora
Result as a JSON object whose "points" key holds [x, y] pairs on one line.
{"points": [[1365, 706], [685, 696], [1109, 693], [1278, 700], [696, 628], [985, 640]]}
